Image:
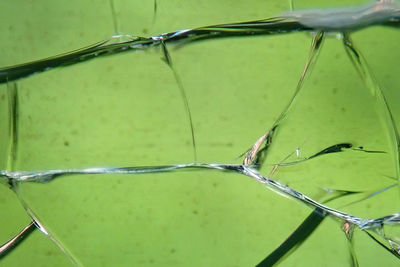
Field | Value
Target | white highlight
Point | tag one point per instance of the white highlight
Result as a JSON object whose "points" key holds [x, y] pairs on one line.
{"points": [[346, 18]]}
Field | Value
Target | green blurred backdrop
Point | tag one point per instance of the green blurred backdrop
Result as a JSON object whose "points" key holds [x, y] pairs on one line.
{"points": [[126, 110]]}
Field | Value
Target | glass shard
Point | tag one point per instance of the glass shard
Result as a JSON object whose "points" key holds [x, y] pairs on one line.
{"points": [[155, 145]]}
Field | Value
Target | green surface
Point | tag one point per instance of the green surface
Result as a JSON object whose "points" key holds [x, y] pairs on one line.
{"points": [[126, 110]]}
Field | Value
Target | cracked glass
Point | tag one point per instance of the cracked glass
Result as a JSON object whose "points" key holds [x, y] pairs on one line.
{"points": [[134, 133]]}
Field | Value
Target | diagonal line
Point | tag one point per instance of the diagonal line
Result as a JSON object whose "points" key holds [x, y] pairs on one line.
{"points": [[182, 91], [11, 244], [302, 232]]}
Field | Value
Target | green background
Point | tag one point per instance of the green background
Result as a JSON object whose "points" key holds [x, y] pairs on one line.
{"points": [[126, 110]]}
